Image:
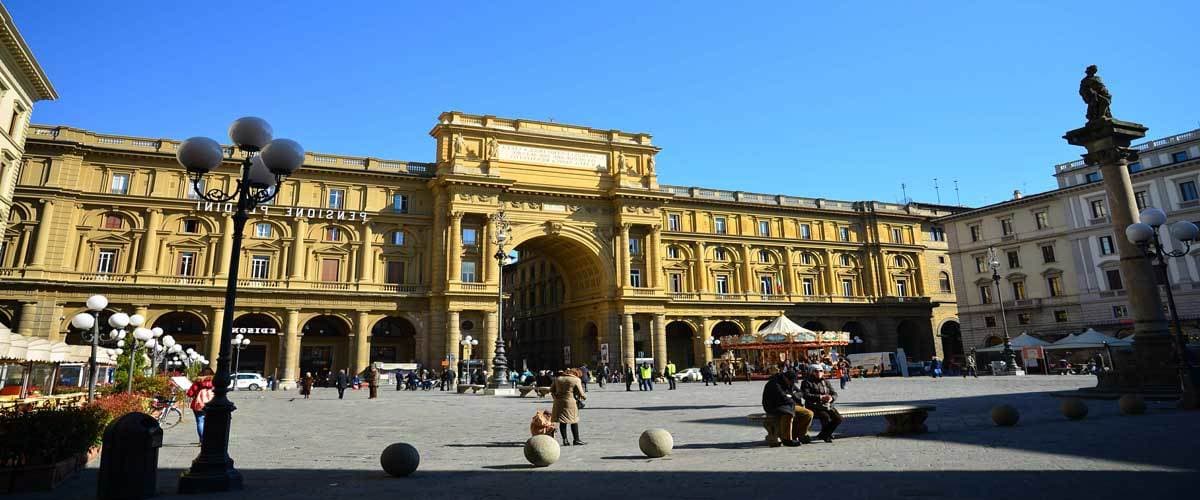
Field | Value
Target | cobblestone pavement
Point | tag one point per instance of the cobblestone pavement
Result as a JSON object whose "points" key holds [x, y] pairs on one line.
{"points": [[470, 446]]}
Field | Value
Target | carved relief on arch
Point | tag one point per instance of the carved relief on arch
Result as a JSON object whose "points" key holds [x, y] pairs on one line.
{"points": [[553, 227]]}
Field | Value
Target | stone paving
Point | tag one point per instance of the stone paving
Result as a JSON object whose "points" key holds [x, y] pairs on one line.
{"points": [[288, 447]]}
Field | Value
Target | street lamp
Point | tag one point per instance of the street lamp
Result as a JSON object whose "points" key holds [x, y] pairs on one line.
{"points": [[713, 343], [88, 324], [1010, 356], [499, 360], [468, 343], [239, 343], [1145, 235], [266, 161]]}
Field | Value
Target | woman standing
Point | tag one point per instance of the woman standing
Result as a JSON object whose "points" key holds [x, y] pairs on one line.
{"points": [[201, 393], [566, 390], [306, 385]]}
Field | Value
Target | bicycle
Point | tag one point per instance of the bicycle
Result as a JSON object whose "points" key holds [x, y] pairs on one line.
{"points": [[165, 411]]}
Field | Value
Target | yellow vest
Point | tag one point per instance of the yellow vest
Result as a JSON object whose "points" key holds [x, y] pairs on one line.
{"points": [[645, 372], [670, 369]]}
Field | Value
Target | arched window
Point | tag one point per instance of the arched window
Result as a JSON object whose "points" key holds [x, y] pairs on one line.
{"points": [[845, 260], [944, 281], [899, 261]]}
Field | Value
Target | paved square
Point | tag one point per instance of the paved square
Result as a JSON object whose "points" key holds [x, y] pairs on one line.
{"points": [[471, 446]]}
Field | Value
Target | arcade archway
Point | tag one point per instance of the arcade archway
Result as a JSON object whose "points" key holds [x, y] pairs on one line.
{"points": [[679, 345], [324, 346], [727, 332], [951, 335], [815, 326], [858, 337], [916, 343], [185, 327], [393, 340], [262, 354]]}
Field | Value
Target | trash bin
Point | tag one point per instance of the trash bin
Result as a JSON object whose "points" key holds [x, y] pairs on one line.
{"points": [[129, 458]]}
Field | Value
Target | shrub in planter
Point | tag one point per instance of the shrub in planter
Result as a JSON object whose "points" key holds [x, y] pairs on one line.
{"points": [[114, 406], [154, 385], [40, 448]]}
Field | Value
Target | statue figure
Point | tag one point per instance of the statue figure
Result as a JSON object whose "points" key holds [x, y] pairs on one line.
{"points": [[1096, 95], [493, 150], [460, 147], [650, 166], [620, 162]]}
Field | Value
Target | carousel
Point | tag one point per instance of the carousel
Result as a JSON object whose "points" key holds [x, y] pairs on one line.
{"points": [[781, 341]]}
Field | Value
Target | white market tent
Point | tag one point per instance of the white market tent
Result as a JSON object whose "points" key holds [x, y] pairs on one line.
{"points": [[1089, 339], [1022, 340]]}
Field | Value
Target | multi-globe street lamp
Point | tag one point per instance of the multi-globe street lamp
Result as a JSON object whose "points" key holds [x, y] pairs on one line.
{"points": [[1145, 234], [467, 344], [499, 360], [265, 162], [239, 342], [1010, 356], [88, 324]]}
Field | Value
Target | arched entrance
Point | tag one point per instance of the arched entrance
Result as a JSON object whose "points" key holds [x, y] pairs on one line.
{"points": [[185, 327], [727, 332], [952, 345], [992, 340], [589, 346], [815, 326], [393, 340], [857, 334], [324, 346], [916, 344], [261, 355], [679, 345]]}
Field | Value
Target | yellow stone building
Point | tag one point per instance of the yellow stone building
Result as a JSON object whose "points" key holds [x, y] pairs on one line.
{"points": [[362, 259]]}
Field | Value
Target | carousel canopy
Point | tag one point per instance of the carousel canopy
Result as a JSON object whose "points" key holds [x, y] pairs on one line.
{"points": [[1022, 340], [784, 326], [22, 349], [1089, 339]]}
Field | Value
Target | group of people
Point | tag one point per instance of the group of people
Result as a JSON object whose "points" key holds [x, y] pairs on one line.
{"points": [[794, 399], [342, 381], [710, 373]]}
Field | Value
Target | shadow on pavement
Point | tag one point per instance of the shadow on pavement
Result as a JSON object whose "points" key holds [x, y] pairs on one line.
{"points": [[508, 444]]}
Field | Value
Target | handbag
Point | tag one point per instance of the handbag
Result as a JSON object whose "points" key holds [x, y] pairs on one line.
{"points": [[579, 403]]}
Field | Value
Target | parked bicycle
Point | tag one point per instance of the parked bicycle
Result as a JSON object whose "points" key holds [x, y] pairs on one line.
{"points": [[165, 410]]}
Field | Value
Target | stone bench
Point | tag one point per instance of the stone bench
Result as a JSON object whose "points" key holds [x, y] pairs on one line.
{"points": [[901, 418], [475, 388], [526, 389]]}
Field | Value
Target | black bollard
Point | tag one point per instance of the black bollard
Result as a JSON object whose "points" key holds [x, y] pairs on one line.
{"points": [[129, 458]]}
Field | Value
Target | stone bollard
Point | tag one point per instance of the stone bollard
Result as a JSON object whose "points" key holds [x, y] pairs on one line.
{"points": [[541, 450], [1005, 415], [656, 443], [1074, 409], [1132, 404], [129, 459], [400, 459]]}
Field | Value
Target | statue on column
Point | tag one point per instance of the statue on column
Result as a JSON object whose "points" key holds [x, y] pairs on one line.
{"points": [[1095, 95], [460, 147], [493, 150]]}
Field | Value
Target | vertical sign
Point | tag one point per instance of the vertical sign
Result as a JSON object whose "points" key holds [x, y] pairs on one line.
{"points": [[567, 355], [604, 353]]}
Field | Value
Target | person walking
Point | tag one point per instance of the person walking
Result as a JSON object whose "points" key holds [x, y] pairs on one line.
{"points": [[341, 382], [782, 401], [306, 384], [670, 375], [201, 393], [372, 376], [567, 392], [647, 375], [706, 373], [726, 373], [818, 398], [629, 379], [971, 365], [602, 375], [843, 365], [584, 375], [935, 367]]}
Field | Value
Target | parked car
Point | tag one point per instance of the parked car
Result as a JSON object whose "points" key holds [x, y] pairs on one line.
{"points": [[251, 381], [689, 375]]}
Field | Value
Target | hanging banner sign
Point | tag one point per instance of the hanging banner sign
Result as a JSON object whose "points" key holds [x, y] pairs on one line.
{"points": [[293, 212]]}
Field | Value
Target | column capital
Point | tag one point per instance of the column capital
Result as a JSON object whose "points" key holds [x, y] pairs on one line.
{"points": [[154, 210]]}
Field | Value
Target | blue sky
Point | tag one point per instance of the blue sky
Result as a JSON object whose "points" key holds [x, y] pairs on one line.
{"points": [[842, 101]]}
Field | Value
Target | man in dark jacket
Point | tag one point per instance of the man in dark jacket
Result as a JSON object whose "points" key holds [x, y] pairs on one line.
{"points": [[341, 382], [780, 400], [628, 378], [819, 397]]}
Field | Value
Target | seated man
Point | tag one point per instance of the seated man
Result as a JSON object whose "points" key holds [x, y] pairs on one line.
{"points": [[783, 403], [819, 397]]}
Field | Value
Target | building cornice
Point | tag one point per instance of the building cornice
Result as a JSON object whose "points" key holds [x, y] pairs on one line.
{"points": [[11, 38]]}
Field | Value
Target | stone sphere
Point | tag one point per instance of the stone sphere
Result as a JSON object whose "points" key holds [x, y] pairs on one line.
{"points": [[656, 443], [1005, 415], [1132, 404], [1074, 409], [541, 450], [400, 459]]}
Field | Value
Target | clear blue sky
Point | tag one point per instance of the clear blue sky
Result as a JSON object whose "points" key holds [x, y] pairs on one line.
{"points": [[843, 101]]}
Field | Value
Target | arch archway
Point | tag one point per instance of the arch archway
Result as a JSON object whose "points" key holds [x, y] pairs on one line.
{"points": [[589, 346], [324, 346], [815, 326], [856, 331], [393, 340], [679, 344], [187, 328], [916, 344], [262, 354], [992, 340], [727, 332], [951, 334]]}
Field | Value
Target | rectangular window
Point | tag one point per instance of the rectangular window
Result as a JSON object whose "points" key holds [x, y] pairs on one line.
{"points": [[1135, 167], [845, 260], [1018, 290], [901, 288], [764, 256], [191, 226], [1042, 219], [807, 285], [1060, 316], [1120, 311], [975, 233], [1106, 245], [262, 230], [848, 288], [468, 271], [1179, 156], [191, 189], [1006, 227], [722, 284], [897, 235], [937, 233], [719, 254], [187, 263], [635, 246], [1054, 283], [844, 233], [1114, 279], [672, 252], [120, 184], [398, 238], [766, 285], [805, 232], [1023, 318], [330, 269], [806, 259], [1139, 198], [985, 294], [400, 203], [14, 122], [107, 262], [1093, 177], [764, 228], [989, 321], [719, 225], [1187, 191], [337, 198], [395, 272], [672, 222], [1014, 259], [1048, 254], [260, 267], [333, 233], [676, 283], [112, 221], [470, 236], [1099, 209], [981, 264]]}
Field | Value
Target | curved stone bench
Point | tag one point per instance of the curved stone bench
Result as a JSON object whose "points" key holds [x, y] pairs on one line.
{"points": [[901, 418]]}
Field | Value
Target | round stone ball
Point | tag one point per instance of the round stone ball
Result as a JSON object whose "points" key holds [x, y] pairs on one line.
{"points": [[1005, 415], [400, 459], [1132, 404], [1074, 409], [656, 443], [541, 450]]}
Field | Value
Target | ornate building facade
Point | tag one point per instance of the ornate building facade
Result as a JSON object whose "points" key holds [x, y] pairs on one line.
{"points": [[361, 259]]}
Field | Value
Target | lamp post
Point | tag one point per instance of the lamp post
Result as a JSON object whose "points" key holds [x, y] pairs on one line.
{"points": [[467, 344], [713, 343], [1145, 234], [88, 324], [266, 161], [1010, 357], [239, 342], [499, 360]]}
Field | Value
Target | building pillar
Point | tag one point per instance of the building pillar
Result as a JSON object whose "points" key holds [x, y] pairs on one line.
{"points": [[291, 350], [144, 312], [150, 242], [365, 258], [627, 350], [214, 336], [487, 268], [455, 252], [623, 252], [226, 247], [452, 337], [701, 270], [28, 318], [362, 349], [298, 229], [706, 351], [747, 271], [490, 332], [660, 342], [830, 276], [44, 228], [653, 257], [789, 268]]}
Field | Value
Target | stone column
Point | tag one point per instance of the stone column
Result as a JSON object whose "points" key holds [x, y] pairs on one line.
{"points": [[226, 247], [701, 269], [627, 351], [455, 250], [490, 332], [362, 349], [626, 265], [748, 285], [1107, 141], [291, 350], [660, 342], [44, 228], [214, 336], [452, 337], [298, 229], [789, 268], [366, 257], [29, 318], [653, 249], [705, 334], [150, 242], [831, 288], [144, 311], [487, 268]]}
